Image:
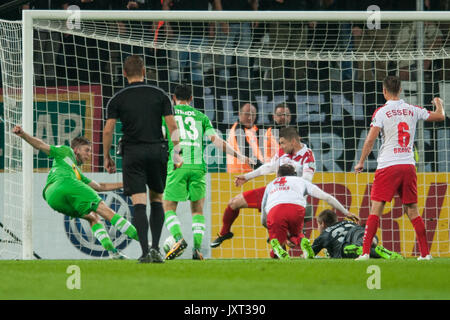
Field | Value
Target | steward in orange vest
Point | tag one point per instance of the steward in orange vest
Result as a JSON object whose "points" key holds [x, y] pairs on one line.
{"points": [[250, 143]]}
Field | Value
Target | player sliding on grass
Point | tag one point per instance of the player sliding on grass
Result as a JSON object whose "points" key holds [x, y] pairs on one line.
{"points": [[344, 239], [188, 182], [283, 210], [69, 192], [292, 151]]}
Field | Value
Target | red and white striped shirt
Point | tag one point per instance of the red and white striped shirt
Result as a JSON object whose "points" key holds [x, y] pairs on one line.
{"points": [[303, 161]]}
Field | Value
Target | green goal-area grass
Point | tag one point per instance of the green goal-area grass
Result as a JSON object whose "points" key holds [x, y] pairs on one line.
{"points": [[230, 279]]}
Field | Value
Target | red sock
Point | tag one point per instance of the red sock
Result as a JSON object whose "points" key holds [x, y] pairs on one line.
{"points": [[228, 218], [421, 235], [369, 233]]}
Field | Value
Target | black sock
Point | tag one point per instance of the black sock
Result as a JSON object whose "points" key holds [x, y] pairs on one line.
{"points": [[141, 224], [156, 222]]}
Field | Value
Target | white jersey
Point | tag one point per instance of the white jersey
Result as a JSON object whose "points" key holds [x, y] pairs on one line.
{"points": [[303, 161], [288, 189], [397, 120]]}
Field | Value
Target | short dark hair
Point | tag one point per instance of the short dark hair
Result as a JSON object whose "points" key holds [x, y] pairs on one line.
{"points": [[328, 217], [289, 133], [183, 92], [133, 66], [281, 105], [286, 170], [392, 84], [79, 141]]}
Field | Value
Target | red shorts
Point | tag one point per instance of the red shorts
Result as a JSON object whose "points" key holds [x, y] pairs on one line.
{"points": [[254, 197], [400, 178], [284, 218]]}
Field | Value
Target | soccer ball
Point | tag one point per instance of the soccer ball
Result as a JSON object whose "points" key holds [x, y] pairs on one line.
{"points": [[168, 244]]}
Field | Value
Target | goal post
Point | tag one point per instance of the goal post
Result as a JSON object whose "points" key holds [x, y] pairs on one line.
{"points": [[325, 66]]}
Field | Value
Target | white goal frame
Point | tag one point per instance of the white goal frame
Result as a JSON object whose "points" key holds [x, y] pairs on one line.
{"points": [[27, 44]]}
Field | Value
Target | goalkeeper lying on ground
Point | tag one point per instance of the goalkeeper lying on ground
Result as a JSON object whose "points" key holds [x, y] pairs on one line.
{"points": [[69, 192], [344, 239]]}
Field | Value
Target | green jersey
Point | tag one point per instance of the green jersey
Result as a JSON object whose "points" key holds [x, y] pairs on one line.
{"points": [[64, 166], [193, 126]]}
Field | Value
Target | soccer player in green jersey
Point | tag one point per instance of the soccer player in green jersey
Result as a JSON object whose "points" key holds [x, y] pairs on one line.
{"points": [[71, 193], [188, 182]]}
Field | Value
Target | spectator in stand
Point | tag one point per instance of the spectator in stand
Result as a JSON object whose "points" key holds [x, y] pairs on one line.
{"points": [[237, 35], [243, 137], [137, 29], [288, 36], [82, 55], [404, 39], [191, 34], [334, 37], [368, 40], [281, 118], [47, 45]]}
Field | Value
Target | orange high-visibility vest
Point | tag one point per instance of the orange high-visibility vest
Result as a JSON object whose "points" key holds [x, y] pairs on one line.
{"points": [[271, 145], [233, 164]]}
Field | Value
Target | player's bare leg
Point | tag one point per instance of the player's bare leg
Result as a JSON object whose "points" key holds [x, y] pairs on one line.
{"points": [[413, 214], [229, 216]]}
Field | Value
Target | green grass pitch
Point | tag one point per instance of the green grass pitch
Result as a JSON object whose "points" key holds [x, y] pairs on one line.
{"points": [[230, 279]]}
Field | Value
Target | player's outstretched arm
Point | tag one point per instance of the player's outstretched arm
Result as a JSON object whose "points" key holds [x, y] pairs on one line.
{"points": [[105, 186], [438, 114], [367, 147], [316, 192], [33, 141], [227, 148]]}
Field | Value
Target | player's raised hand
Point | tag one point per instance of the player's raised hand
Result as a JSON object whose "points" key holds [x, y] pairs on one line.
{"points": [[437, 102], [359, 167], [352, 217], [239, 180], [18, 131]]}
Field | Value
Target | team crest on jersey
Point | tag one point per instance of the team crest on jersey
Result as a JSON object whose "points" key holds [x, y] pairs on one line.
{"points": [[77, 173], [79, 231]]}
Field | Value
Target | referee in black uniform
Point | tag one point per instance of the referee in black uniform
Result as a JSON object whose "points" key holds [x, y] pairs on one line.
{"points": [[140, 108]]}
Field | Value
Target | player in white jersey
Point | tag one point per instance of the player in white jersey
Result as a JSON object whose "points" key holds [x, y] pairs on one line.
{"points": [[283, 210], [396, 122], [292, 151]]}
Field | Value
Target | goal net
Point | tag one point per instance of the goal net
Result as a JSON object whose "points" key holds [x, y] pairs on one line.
{"points": [[60, 68]]}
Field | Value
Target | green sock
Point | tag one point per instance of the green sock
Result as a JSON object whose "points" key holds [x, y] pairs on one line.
{"points": [[173, 224], [198, 229], [124, 226], [102, 235]]}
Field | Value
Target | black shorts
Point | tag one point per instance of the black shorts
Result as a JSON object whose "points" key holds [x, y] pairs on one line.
{"points": [[356, 236], [144, 165]]}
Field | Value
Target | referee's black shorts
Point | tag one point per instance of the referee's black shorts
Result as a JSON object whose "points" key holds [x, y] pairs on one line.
{"points": [[144, 165]]}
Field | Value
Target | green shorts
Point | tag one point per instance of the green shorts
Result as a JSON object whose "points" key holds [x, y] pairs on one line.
{"points": [[182, 185], [72, 197]]}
